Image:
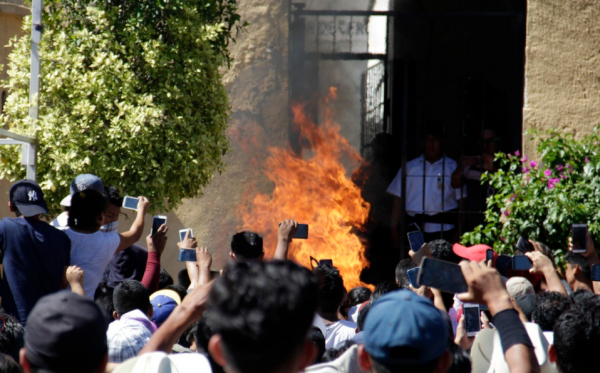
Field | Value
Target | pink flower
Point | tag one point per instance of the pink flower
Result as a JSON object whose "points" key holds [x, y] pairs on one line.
{"points": [[587, 160], [524, 159], [552, 183], [517, 153], [525, 170], [532, 164], [563, 176], [559, 168], [506, 212], [568, 166], [548, 172]]}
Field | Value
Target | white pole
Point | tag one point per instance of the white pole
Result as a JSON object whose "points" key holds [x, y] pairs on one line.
{"points": [[29, 151]]}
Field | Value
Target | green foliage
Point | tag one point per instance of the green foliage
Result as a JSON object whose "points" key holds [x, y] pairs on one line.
{"points": [[130, 91], [543, 200]]}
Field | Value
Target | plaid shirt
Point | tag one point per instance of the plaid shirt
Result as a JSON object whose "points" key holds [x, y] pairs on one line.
{"points": [[127, 336]]}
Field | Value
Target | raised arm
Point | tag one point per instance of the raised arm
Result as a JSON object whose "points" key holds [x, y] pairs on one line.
{"points": [[137, 228], [287, 229], [74, 276], [542, 264], [156, 246]]}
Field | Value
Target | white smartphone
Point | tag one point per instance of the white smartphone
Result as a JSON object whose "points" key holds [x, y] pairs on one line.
{"points": [[182, 233], [130, 203], [472, 314], [157, 221]]}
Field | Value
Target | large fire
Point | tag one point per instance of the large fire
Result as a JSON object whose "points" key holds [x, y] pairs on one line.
{"points": [[314, 189]]}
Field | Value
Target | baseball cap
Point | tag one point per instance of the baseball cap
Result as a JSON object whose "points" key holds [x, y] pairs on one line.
{"points": [[83, 182], [65, 333], [517, 286], [27, 196], [404, 319], [159, 362], [473, 253], [163, 302]]}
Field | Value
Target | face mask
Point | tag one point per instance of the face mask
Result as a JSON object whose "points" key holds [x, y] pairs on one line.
{"points": [[110, 227]]}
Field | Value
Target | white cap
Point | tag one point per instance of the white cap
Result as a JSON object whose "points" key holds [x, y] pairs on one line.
{"points": [[517, 286], [66, 201], [159, 362]]}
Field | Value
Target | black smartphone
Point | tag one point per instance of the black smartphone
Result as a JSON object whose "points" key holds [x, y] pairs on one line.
{"points": [[157, 221], [504, 264], [413, 274], [415, 240], [579, 232], [523, 244], [521, 263], [302, 232], [596, 272], [326, 262], [489, 256], [472, 314], [441, 275], [187, 255]]}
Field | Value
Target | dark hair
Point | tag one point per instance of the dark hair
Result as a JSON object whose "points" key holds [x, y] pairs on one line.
{"points": [[331, 288], [461, 362], [383, 288], [254, 304], [86, 207], [247, 245], [183, 278], [362, 316], [547, 307], [8, 364], [11, 337], [131, 295], [315, 335], [402, 272], [547, 251], [334, 353], [104, 299], [442, 249], [580, 261], [202, 335], [359, 295], [581, 295], [112, 195], [165, 279], [180, 290], [577, 336], [421, 368]]}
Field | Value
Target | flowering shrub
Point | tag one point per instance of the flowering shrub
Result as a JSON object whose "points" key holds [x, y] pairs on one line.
{"points": [[543, 197]]}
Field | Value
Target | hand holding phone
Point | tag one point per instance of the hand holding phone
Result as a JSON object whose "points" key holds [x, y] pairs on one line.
{"points": [[183, 232], [579, 236], [302, 232], [157, 221], [415, 240], [521, 263], [489, 256], [485, 286], [442, 275], [130, 203], [472, 314], [523, 245], [413, 277]]}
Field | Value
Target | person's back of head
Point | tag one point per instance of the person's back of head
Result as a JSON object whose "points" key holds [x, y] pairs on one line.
{"points": [[517, 286], [11, 336], [318, 339], [362, 316], [247, 246], [582, 264], [401, 272], [461, 362], [581, 295], [86, 211], [66, 333], [165, 279], [331, 290], [577, 337], [547, 307], [260, 313], [359, 295], [103, 297], [130, 295], [383, 288], [9, 365], [442, 249]]}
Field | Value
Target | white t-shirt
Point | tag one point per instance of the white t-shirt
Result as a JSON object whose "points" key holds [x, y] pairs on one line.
{"points": [[339, 332], [92, 252]]}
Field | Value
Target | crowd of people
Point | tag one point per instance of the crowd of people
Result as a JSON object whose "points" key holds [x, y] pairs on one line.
{"points": [[77, 296]]}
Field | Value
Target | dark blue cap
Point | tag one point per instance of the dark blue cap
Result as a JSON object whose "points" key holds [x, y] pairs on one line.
{"points": [[27, 196], [403, 328]]}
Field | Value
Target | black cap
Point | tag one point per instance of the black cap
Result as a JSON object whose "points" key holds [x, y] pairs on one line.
{"points": [[65, 333], [27, 196]]}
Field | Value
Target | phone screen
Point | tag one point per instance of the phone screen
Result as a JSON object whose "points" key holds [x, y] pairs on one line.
{"points": [[523, 245], [157, 222], [130, 203], [413, 277], [472, 318], [579, 238], [187, 255], [521, 263], [326, 262], [183, 232], [503, 264], [416, 240], [595, 272], [489, 256], [442, 275], [302, 232]]}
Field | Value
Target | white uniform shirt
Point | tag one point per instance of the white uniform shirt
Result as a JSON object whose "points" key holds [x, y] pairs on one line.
{"points": [[438, 183]]}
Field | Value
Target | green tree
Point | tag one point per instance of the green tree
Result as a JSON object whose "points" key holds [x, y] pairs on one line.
{"points": [[543, 197], [130, 91]]}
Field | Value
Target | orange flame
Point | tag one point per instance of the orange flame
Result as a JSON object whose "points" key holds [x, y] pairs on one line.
{"points": [[314, 190]]}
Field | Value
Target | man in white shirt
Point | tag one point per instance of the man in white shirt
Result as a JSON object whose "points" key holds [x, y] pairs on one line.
{"points": [[431, 201]]}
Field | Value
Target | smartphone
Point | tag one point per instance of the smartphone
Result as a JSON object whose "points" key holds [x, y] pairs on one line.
{"points": [[441, 275], [523, 245], [472, 314], [326, 262], [187, 255], [579, 232], [415, 240], [302, 232], [182, 233], [504, 264], [413, 277], [489, 256], [157, 221], [521, 263], [596, 272], [130, 203]]}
